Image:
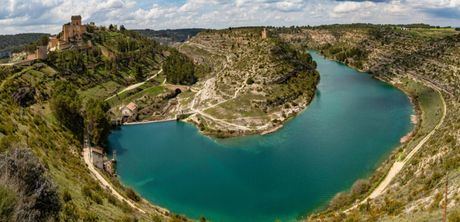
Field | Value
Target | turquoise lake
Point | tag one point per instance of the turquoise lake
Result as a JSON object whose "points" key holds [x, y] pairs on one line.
{"points": [[352, 125]]}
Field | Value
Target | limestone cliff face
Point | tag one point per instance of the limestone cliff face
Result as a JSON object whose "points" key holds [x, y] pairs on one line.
{"points": [[250, 82], [425, 55]]}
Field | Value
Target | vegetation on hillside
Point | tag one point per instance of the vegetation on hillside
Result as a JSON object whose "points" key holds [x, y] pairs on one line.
{"points": [[252, 84], [44, 110], [96, 120], [169, 36], [179, 69], [26, 193], [18, 41], [428, 55], [66, 106]]}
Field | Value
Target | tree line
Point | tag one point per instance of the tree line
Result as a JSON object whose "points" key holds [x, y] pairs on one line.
{"points": [[179, 69], [77, 116]]}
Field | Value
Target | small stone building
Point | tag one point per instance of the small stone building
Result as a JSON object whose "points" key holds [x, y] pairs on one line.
{"points": [[97, 157], [129, 110]]}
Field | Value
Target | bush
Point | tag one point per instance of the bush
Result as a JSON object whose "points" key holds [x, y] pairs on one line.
{"points": [[7, 203], [339, 200], [66, 196], [454, 216], [87, 191], [132, 195], [360, 187], [37, 196], [70, 212]]}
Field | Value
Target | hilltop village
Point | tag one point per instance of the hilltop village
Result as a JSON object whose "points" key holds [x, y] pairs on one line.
{"points": [[70, 37]]}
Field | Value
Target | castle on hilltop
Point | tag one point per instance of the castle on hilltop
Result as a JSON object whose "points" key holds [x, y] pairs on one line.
{"points": [[71, 33], [71, 36]]}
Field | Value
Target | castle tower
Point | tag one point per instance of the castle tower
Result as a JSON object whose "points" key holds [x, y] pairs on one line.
{"points": [[73, 30], [76, 20], [265, 33]]}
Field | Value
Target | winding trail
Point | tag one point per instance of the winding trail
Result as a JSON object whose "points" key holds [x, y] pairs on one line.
{"points": [[399, 165], [134, 86], [235, 95], [104, 183]]}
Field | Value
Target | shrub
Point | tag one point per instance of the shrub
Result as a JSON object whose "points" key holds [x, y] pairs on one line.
{"points": [[360, 187], [87, 191], [454, 216], [7, 203], [70, 212], [339, 200], [132, 195], [66, 196], [37, 197]]}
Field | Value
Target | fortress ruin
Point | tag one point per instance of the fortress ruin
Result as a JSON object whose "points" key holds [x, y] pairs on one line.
{"points": [[71, 33]]}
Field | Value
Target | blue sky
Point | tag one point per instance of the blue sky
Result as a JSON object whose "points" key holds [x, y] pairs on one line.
{"points": [[18, 16]]}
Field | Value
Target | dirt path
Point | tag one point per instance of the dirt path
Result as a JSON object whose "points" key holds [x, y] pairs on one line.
{"points": [[134, 86], [399, 165], [201, 91], [104, 183]]}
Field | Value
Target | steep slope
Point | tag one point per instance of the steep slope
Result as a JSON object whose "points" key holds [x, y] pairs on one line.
{"points": [[248, 84], [406, 58], [28, 122]]}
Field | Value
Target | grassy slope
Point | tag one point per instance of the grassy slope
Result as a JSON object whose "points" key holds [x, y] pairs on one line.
{"points": [[427, 55], [245, 78], [35, 127]]}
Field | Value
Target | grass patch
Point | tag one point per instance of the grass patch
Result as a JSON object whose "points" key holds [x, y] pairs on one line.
{"points": [[101, 91], [433, 32], [7, 203]]}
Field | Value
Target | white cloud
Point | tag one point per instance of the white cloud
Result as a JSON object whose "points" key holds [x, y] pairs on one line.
{"points": [[349, 7], [48, 15]]}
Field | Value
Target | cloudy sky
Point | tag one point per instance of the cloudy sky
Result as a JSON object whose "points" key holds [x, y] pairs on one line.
{"points": [[18, 16]]}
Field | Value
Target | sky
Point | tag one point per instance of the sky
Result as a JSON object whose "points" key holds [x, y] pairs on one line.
{"points": [[22, 16]]}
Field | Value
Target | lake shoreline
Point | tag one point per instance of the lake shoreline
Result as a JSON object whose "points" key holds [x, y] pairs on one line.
{"points": [[384, 167], [274, 129]]}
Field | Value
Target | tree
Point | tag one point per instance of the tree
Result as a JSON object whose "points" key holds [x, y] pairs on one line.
{"points": [[139, 74], [122, 28], [8, 202], [96, 121], [66, 106], [44, 40], [179, 69]]}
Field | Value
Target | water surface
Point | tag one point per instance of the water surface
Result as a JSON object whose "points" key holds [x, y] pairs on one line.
{"points": [[349, 128]]}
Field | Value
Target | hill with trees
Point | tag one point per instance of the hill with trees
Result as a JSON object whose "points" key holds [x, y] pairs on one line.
{"points": [[47, 106], [17, 41], [422, 60], [247, 84], [169, 36]]}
